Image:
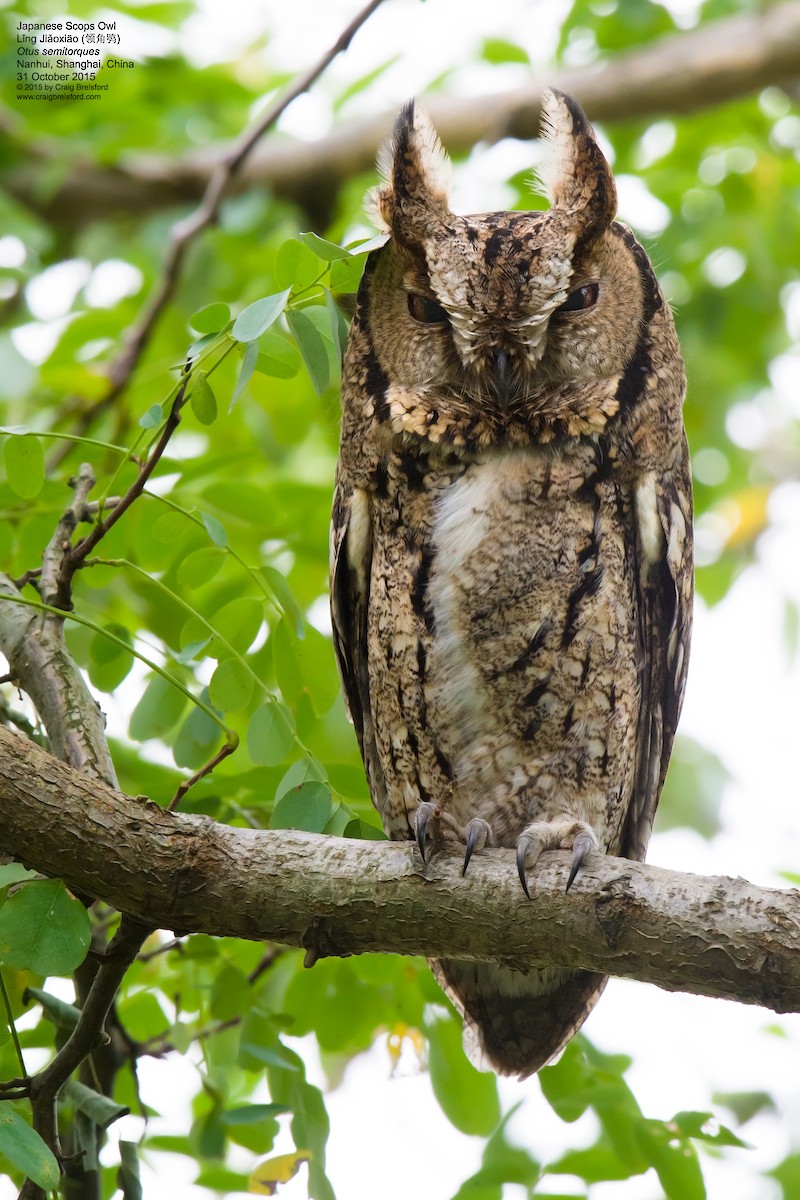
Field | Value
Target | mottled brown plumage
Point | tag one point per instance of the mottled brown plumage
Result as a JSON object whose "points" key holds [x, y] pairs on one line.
{"points": [[511, 550]]}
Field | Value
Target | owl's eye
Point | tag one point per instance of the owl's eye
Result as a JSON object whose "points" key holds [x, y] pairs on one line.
{"points": [[426, 311], [582, 298]]}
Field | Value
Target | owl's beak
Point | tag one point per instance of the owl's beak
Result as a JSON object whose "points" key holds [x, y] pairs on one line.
{"points": [[502, 377]]}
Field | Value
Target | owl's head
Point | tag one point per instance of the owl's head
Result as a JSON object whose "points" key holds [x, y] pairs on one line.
{"points": [[495, 307]]}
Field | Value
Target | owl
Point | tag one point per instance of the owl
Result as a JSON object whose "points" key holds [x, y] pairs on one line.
{"points": [[511, 566]]}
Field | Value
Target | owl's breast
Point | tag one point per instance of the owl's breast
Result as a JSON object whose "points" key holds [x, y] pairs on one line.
{"points": [[532, 666]]}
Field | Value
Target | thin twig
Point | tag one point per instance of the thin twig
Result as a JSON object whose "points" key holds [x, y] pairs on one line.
{"points": [[266, 962], [77, 554], [87, 1036], [54, 584], [163, 948], [184, 232], [206, 769], [12, 1026]]}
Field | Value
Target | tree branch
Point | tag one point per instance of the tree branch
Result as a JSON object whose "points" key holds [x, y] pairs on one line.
{"points": [[681, 73], [712, 936], [39, 663]]}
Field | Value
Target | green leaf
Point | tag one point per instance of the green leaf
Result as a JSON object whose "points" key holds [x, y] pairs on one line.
{"points": [[675, 1161], [339, 328], [305, 665], [501, 1163], [63, 1015], [468, 1097], [231, 686], [24, 459], [270, 734], [152, 418], [308, 807], [595, 1164], [197, 737], [280, 588], [192, 649], [239, 623], [300, 772], [202, 398], [99, 1108], [160, 708], [497, 50], [296, 267], [251, 1114], [200, 566], [327, 251], [367, 245], [210, 319], [574, 1083], [109, 664], [787, 1173], [258, 316], [275, 1056], [26, 1151], [196, 348], [249, 360], [339, 820], [142, 1016], [704, 1127], [128, 1180], [44, 929], [277, 356], [312, 348], [345, 275], [215, 529], [363, 831]]}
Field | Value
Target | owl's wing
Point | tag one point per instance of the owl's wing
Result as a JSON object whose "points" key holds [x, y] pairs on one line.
{"points": [[664, 575], [351, 565]]}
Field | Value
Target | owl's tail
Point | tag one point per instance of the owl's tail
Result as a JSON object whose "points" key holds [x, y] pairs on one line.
{"points": [[515, 1022]]}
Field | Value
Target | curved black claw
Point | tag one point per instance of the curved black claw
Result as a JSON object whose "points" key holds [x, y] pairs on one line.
{"points": [[521, 848], [421, 822], [582, 845], [472, 841]]}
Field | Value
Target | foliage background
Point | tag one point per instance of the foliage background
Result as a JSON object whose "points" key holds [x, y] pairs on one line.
{"points": [[219, 578]]}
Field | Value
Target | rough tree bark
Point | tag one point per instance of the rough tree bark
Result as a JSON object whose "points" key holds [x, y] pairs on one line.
{"points": [[712, 936], [680, 73]]}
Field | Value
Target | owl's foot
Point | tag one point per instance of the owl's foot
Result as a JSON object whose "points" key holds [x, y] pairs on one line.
{"points": [[478, 834], [563, 834]]}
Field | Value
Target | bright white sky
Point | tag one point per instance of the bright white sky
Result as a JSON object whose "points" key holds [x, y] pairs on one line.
{"points": [[388, 1136]]}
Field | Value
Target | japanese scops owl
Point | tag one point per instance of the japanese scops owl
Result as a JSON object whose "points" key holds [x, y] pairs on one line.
{"points": [[512, 546]]}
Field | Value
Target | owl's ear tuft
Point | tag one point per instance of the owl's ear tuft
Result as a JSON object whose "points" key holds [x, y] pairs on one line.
{"points": [[416, 174], [575, 175]]}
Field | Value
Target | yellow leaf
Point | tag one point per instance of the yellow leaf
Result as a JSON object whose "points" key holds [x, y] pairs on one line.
{"points": [[273, 1171], [745, 514], [395, 1039]]}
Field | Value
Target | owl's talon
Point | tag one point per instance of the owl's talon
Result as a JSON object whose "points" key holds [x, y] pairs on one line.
{"points": [[479, 834], [584, 843], [522, 847], [421, 821]]}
